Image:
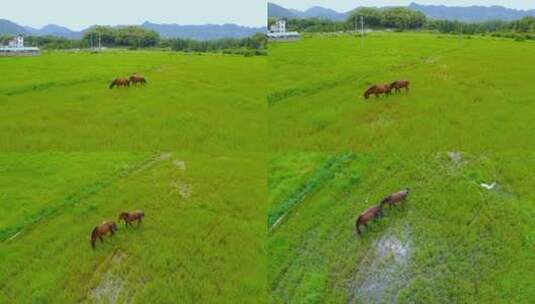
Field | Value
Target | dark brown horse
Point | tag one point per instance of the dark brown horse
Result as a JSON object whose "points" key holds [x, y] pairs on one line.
{"points": [[368, 215], [135, 79], [396, 198], [400, 84], [129, 217], [120, 82], [101, 230], [378, 89]]}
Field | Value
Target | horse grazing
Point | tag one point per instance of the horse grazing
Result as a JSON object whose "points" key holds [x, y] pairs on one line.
{"points": [[378, 89], [396, 198], [400, 84], [135, 79], [101, 230], [129, 217], [368, 215], [120, 82]]}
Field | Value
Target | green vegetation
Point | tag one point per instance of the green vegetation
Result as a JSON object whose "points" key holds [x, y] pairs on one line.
{"points": [[130, 36], [402, 19], [254, 45], [201, 240], [467, 94], [61, 101], [320, 175], [453, 241], [136, 37], [397, 17]]}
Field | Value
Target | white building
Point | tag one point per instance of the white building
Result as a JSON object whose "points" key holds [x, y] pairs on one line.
{"points": [[277, 32], [278, 27], [17, 42], [15, 47]]}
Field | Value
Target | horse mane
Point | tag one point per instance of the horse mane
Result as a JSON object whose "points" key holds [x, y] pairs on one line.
{"points": [[384, 201]]}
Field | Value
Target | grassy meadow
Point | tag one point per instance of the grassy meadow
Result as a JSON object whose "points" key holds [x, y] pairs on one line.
{"points": [[473, 94], [61, 101], [453, 241], [201, 240]]}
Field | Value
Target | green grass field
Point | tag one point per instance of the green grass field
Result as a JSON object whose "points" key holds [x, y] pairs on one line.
{"points": [[453, 241], [60, 101], [201, 240], [470, 95]]}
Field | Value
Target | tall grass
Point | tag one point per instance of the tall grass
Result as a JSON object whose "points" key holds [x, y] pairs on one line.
{"points": [[463, 243], [467, 95]]}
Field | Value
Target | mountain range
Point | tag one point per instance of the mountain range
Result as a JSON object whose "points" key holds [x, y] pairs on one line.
{"points": [[468, 13], [198, 32]]}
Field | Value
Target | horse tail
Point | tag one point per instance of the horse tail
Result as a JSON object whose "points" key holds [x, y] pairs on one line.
{"points": [[357, 223], [93, 236], [112, 84]]}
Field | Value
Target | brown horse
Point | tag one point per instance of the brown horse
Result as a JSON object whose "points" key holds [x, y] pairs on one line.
{"points": [[378, 89], [129, 217], [120, 82], [135, 79], [101, 230], [368, 215], [396, 198], [400, 84]]}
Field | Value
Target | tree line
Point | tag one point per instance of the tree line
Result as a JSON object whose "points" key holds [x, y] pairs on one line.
{"points": [[401, 19], [134, 37]]}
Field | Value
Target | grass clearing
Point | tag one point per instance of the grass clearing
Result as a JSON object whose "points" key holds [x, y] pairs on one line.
{"points": [[60, 101], [453, 241], [206, 246], [471, 95]]}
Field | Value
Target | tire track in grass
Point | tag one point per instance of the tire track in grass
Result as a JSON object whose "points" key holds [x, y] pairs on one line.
{"points": [[322, 174], [76, 197]]}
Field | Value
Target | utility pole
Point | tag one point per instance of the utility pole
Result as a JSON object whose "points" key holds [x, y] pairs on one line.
{"points": [[99, 45]]}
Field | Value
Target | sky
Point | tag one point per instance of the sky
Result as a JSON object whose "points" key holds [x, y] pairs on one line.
{"points": [[346, 5], [78, 14]]}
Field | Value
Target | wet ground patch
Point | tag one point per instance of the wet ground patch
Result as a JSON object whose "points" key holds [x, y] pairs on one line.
{"points": [[384, 269]]}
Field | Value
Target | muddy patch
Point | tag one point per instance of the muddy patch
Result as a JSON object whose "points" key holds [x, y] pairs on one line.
{"points": [[180, 164], [452, 160], [383, 271], [111, 285], [178, 186], [183, 190]]}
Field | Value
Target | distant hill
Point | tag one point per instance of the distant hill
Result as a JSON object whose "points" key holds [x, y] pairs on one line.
{"points": [[324, 13], [11, 28], [468, 14], [54, 30], [203, 32], [471, 13], [277, 11], [198, 32]]}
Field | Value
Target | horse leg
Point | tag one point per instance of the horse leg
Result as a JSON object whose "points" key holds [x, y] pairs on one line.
{"points": [[101, 239]]}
